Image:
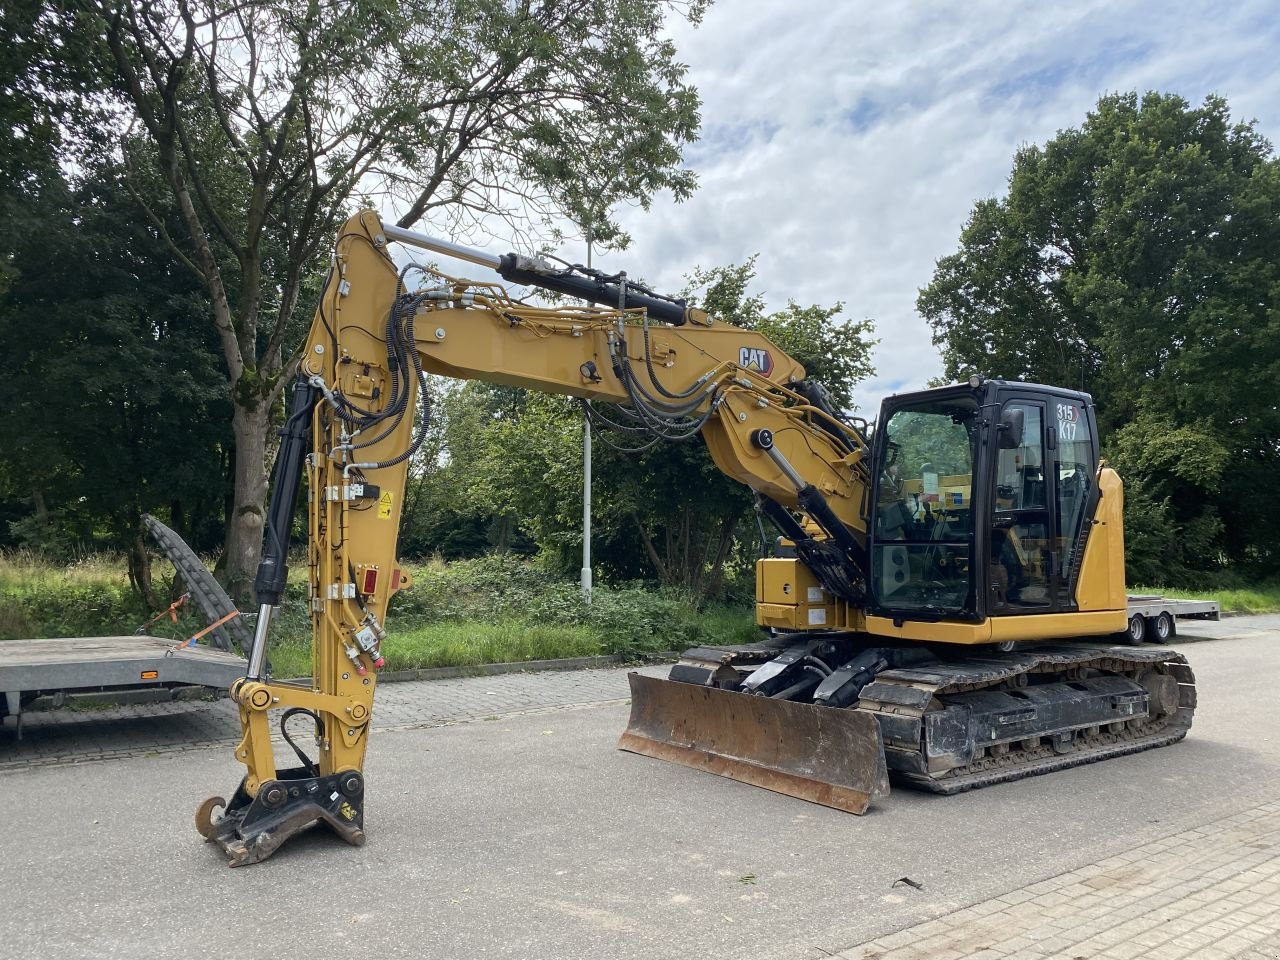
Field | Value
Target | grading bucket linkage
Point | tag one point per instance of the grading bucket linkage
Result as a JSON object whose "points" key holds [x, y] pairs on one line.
{"points": [[822, 754]]}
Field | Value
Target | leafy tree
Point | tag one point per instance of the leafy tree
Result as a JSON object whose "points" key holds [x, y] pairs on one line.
{"points": [[834, 351], [1136, 255], [47, 68], [456, 505], [665, 513], [268, 121], [1171, 513], [112, 370]]}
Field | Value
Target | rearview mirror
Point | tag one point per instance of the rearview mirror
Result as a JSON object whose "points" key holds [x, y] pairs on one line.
{"points": [[1009, 432]]}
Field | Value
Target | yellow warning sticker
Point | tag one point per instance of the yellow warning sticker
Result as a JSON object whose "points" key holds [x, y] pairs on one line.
{"points": [[384, 505]]}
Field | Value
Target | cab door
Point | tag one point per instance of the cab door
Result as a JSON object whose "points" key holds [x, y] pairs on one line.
{"points": [[1073, 442], [1022, 571]]}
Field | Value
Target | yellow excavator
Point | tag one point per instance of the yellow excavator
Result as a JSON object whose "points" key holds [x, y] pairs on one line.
{"points": [[913, 612]]}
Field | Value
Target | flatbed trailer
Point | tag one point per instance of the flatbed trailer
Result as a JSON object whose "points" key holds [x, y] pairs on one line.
{"points": [[1155, 618], [29, 668]]}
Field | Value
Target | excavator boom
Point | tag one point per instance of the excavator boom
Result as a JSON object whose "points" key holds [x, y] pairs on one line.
{"points": [[381, 326]]}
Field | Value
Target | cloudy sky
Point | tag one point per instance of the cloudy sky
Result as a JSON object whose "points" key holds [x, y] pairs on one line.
{"points": [[846, 142]]}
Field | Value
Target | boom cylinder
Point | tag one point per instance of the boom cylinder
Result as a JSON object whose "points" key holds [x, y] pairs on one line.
{"points": [[530, 271]]}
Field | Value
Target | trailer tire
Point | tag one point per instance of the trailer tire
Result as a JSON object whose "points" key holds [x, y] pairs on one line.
{"points": [[1136, 633], [1161, 628]]}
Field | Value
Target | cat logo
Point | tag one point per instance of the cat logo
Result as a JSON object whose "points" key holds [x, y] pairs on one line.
{"points": [[754, 358]]}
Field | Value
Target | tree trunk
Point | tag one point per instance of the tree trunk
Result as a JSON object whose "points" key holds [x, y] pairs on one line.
{"points": [[178, 519], [649, 548], [140, 570], [225, 508], [715, 579], [249, 426], [40, 507]]}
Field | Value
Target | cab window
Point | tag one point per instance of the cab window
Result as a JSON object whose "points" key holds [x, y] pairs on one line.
{"points": [[1075, 471], [923, 516], [1021, 560]]}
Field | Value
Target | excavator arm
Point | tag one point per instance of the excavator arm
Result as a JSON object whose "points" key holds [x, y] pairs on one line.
{"points": [[382, 325]]}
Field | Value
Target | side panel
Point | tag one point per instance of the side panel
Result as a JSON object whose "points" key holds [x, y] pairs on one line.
{"points": [[940, 632], [1048, 626], [789, 596], [1101, 584], [1057, 626]]}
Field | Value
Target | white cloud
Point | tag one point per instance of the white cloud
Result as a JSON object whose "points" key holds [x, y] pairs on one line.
{"points": [[846, 142]]}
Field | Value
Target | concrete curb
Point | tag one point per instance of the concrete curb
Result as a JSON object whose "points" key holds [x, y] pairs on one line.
{"points": [[90, 700]]}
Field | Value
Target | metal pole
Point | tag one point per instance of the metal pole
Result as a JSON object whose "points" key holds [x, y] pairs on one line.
{"points": [[586, 509], [586, 483]]}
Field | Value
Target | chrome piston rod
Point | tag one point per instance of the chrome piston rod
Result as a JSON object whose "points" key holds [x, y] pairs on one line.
{"points": [[447, 247]]}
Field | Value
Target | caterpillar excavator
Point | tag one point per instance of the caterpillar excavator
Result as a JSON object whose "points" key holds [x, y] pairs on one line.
{"points": [[914, 614]]}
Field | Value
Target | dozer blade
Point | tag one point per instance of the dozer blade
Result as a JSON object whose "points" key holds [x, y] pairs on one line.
{"points": [[825, 755]]}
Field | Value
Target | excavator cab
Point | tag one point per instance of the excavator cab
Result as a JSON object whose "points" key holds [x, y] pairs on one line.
{"points": [[985, 527], [976, 506], [995, 481]]}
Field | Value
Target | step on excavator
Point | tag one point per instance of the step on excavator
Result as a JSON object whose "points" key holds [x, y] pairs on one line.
{"points": [[939, 609]]}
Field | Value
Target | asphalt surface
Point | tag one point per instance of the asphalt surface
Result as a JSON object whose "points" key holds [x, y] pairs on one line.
{"points": [[530, 836]]}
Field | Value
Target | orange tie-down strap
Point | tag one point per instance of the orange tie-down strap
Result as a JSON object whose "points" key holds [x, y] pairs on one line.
{"points": [[171, 613], [191, 640]]}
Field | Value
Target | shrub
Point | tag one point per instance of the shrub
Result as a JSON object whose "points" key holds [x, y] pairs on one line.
{"points": [[510, 609]]}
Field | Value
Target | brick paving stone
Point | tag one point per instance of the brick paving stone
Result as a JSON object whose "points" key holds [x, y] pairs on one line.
{"points": [[1052, 946], [1210, 894], [1015, 897]]}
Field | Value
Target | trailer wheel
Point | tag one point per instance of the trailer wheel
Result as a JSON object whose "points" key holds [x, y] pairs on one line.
{"points": [[1162, 628], [1136, 634]]}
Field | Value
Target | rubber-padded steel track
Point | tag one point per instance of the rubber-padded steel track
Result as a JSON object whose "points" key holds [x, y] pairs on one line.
{"points": [[905, 694], [205, 591]]}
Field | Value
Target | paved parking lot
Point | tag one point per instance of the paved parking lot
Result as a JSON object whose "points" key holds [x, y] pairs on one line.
{"points": [[522, 833], [151, 729]]}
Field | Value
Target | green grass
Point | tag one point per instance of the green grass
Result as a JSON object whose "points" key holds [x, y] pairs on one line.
{"points": [[90, 597], [459, 645], [488, 610]]}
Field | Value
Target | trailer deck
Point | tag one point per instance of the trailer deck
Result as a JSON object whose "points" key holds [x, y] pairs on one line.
{"points": [[1151, 605], [29, 668]]}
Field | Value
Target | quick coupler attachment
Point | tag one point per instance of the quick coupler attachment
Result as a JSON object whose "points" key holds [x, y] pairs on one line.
{"points": [[253, 828]]}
